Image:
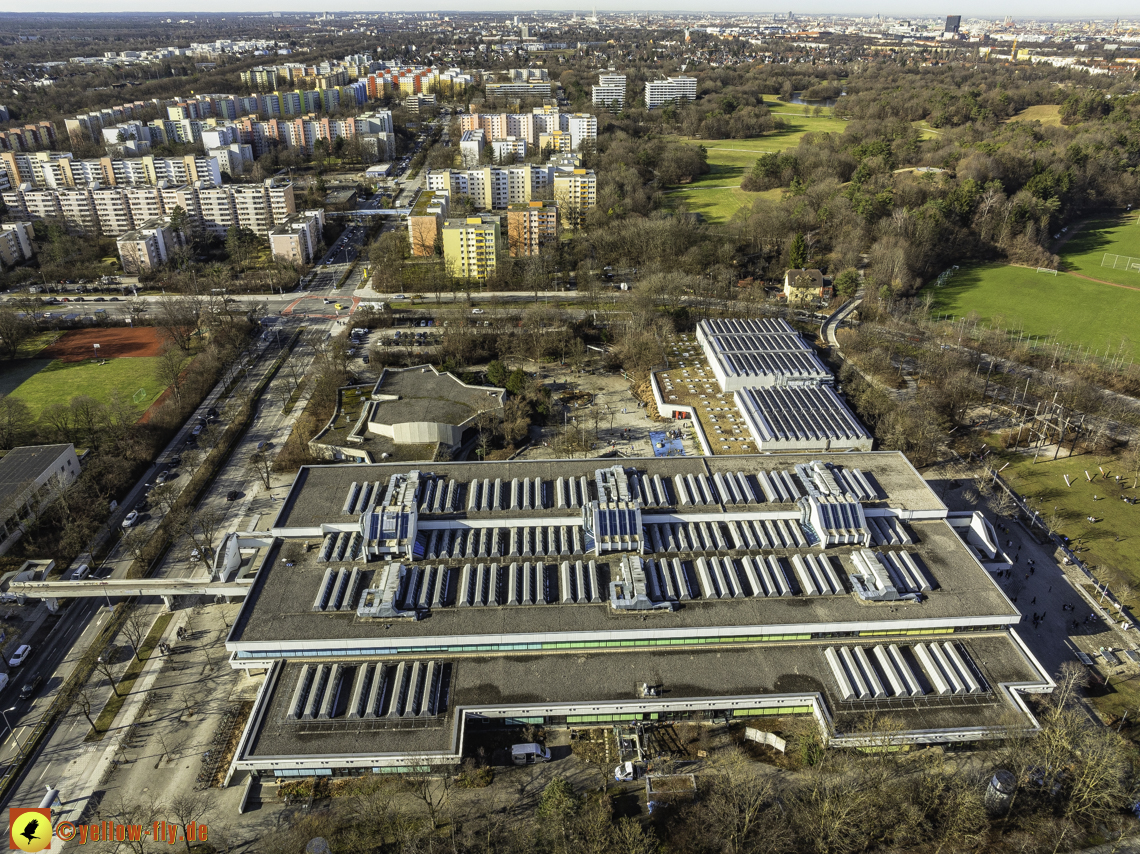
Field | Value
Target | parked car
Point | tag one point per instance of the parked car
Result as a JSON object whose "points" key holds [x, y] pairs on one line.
{"points": [[477, 311], [20, 656], [163, 477], [131, 518], [195, 556]]}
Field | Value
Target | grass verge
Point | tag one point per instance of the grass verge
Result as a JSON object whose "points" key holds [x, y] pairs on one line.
{"points": [[126, 683]]}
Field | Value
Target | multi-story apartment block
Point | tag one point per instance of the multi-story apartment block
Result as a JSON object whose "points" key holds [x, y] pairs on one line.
{"points": [[610, 91], [425, 220], [493, 187], [582, 127], [530, 227], [28, 138], [511, 146], [144, 249], [471, 147], [296, 238], [471, 246], [58, 169], [115, 210], [670, 91], [556, 141], [576, 193], [15, 243]]}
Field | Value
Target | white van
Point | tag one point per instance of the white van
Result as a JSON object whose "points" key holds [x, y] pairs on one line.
{"points": [[529, 754], [3, 681]]}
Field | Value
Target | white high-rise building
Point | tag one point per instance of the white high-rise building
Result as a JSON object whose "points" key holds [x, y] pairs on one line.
{"points": [[669, 91], [610, 91]]}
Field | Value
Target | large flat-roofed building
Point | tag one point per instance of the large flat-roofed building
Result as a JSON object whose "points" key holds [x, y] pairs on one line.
{"points": [[808, 418], [759, 353], [610, 91], [31, 478], [395, 608]]}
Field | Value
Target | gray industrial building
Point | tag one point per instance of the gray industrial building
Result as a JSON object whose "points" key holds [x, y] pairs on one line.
{"points": [[801, 419], [759, 354], [394, 608]]}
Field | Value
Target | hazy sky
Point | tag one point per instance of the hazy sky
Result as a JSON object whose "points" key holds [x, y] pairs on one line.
{"points": [[895, 8]]}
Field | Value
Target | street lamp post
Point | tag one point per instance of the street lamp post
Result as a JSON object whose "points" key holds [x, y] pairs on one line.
{"points": [[5, 714]]}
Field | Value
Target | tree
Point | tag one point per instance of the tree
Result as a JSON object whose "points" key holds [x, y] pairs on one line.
{"points": [[595, 754], [132, 814], [14, 330], [261, 465], [83, 700], [429, 787], [202, 527], [103, 665], [797, 252], [168, 371], [15, 421], [135, 629], [558, 806], [134, 541], [189, 810], [847, 282]]}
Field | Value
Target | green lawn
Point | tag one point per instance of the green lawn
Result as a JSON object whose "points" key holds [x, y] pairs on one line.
{"points": [[1063, 308], [1117, 236], [59, 381], [1044, 486], [717, 195]]}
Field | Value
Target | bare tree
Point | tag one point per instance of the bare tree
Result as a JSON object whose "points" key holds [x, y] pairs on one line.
{"points": [[432, 788], [134, 542], [202, 527], [188, 811], [135, 628], [261, 465], [140, 814], [163, 495], [83, 700], [103, 665], [168, 371]]}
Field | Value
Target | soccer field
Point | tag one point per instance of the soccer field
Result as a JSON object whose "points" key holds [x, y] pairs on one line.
{"points": [[1062, 308], [1118, 236], [717, 195], [59, 381]]}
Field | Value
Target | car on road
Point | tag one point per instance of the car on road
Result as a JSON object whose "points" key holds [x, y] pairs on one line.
{"points": [[232, 495], [477, 311], [163, 477], [175, 461], [29, 688], [131, 518], [338, 306], [81, 573], [20, 656], [197, 429], [400, 296], [328, 302]]}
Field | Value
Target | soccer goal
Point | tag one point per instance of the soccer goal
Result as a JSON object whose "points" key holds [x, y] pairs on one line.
{"points": [[1121, 262], [1046, 270], [139, 395]]}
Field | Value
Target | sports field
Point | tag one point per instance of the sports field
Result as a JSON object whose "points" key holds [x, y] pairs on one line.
{"points": [[1071, 307], [1062, 308], [1085, 252], [59, 381], [717, 195], [64, 367]]}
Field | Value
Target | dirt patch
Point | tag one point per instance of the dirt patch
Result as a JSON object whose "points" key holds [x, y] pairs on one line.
{"points": [[118, 343]]}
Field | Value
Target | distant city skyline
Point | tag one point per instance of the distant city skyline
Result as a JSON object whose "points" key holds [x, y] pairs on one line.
{"points": [[1106, 9]]}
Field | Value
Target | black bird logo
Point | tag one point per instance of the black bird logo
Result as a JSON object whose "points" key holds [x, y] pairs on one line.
{"points": [[29, 831]]}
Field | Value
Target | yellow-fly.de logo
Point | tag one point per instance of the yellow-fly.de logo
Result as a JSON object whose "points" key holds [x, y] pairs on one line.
{"points": [[29, 829]]}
